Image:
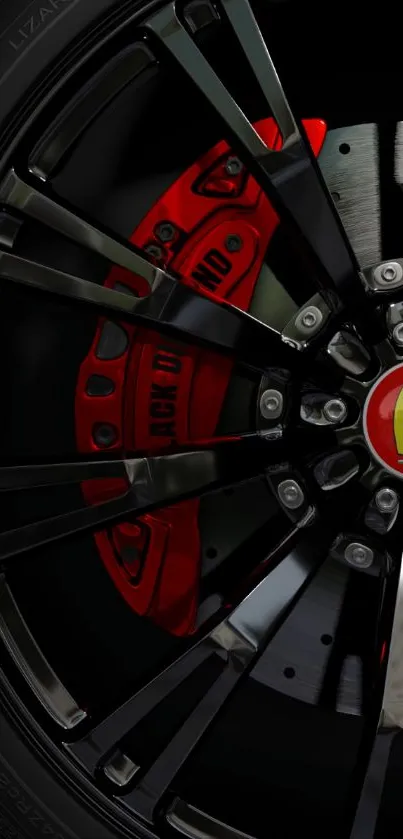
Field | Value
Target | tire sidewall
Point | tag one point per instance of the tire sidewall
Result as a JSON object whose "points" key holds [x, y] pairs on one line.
{"points": [[34, 37]]}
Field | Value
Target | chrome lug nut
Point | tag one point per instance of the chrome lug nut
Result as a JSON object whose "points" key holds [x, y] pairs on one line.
{"points": [[309, 319], [271, 404], [290, 494], [335, 410], [233, 166], [389, 273], [165, 231], [233, 243], [398, 334], [387, 500], [359, 555], [305, 323]]}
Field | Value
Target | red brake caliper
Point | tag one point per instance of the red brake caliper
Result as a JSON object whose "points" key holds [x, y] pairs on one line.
{"points": [[139, 391]]}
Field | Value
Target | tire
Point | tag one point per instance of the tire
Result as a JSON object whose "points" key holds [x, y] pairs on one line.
{"points": [[33, 802]]}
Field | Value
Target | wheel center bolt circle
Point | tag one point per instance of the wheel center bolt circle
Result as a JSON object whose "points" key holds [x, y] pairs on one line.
{"points": [[290, 494], [359, 555], [386, 499]]}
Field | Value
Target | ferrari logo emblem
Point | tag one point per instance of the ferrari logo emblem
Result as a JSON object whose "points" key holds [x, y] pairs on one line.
{"points": [[398, 424], [383, 420]]}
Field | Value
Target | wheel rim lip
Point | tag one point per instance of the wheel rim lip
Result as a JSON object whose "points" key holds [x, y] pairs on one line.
{"points": [[374, 453]]}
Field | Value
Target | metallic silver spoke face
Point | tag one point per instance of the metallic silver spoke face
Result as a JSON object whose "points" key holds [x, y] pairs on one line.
{"points": [[324, 438]]}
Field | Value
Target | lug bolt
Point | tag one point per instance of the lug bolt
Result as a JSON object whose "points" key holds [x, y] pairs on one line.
{"points": [[386, 499], [165, 231], [271, 404], [309, 319], [385, 275], [359, 555], [155, 251], [104, 435], [398, 334], [233, 242], [389, 273], [335, 410], [233, 166], [290, 494]]}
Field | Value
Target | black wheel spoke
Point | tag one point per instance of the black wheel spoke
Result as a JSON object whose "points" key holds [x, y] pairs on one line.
{"points": [[241, 638], [30, 536], [171, 308], [370, 800], [14, 192], [145, 798], [53, 474], [154, 482], [290, 176], [386, 719]]}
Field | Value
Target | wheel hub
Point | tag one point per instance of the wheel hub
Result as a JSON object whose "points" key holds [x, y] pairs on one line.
{"points": [[383, 420]]}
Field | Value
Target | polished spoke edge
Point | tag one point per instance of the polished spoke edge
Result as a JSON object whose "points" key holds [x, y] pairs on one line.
{"points": [[170, 307], [31, 662], [289, 176], [154, 482], [194, 823], [240, 638]]}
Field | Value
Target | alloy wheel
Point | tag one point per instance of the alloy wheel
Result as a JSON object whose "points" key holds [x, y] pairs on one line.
{"points": [[322, 437]]}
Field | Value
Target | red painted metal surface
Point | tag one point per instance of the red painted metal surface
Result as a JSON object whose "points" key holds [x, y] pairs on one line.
{"points": [[165, 392], [383, 420]]}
